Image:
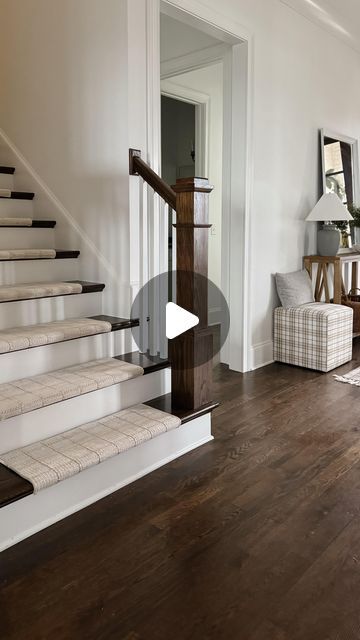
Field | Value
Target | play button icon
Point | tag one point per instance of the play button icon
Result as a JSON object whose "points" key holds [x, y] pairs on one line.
{"points": [[160, 325], [178, 320]]}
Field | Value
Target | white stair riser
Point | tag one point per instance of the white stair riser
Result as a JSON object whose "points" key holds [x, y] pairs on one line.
{"points": [[10, 208], [43, 423], [7, 181], [29, 515], [26, 312], [48, 358], [26, 238], [22, 271]]}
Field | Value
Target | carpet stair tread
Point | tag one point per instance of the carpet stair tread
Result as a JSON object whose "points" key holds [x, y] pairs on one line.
{"points": [[36, 290], [36, 254], [27, 394], [39, 335], [50, 461]]}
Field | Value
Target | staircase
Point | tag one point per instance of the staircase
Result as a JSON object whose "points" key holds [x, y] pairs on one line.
{"points": [[77, 420]]}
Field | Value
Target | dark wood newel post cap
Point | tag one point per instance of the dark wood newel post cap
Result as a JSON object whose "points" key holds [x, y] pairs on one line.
{"points": [[192, 185]]}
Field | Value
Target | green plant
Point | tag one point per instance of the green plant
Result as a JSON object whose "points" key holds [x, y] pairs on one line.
{"points": [[343, 225], [355, 212]]}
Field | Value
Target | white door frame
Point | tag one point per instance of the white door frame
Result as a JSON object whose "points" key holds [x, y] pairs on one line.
{"points": [[238, 161]]}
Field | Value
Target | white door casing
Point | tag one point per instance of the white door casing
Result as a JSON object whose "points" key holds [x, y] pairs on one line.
{"points": [[237, 161]]}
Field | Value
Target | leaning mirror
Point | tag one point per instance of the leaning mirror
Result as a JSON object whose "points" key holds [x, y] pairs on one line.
{"points": [[339, 155]]}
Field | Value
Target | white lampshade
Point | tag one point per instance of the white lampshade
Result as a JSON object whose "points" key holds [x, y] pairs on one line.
{"points": [[329, 209]]}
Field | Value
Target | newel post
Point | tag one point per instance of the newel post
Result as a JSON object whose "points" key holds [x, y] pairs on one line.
{"points": [[191, 353]]}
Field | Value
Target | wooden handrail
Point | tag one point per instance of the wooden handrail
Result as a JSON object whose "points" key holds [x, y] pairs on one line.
{"points": [[190, 352], [138, 167]]}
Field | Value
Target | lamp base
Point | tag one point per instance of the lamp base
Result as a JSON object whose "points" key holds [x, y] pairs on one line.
{"points": [[328, 240]]}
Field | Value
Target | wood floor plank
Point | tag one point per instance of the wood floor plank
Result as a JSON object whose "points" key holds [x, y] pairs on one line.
{"points": [[255, 536]]}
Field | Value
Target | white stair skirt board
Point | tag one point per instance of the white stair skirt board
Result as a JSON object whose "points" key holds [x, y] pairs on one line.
{"points": [[51, 420], [28, 394], [36, 512], [38, 290], [27, 254], [52, 460], [28, 238], [39, 335]]}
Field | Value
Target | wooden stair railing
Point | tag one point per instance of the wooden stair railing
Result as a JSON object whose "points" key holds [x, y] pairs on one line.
{"points": [[190, 353], [137, 167]]}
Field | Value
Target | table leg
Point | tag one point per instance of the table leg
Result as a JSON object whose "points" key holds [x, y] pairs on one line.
{"points": [[337, 282], [354, 275]]}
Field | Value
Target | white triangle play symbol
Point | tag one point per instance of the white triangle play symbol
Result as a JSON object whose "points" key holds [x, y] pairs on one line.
{"points": [[178, 320]]}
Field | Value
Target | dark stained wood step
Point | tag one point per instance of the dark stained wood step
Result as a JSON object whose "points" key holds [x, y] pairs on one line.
{"points": [[60, 255], [89, 287], [43, 224], [117, 324], [164, 403], [8, 170], [36, 224], [19, 195], [12, 486], [147, 362], [67, 255]]}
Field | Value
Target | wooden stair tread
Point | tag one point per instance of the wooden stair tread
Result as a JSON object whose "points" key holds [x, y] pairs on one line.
{"points": [[38, 290], [7, 170], [164, 403], [17, 195], [12, 486], [117, 323], [15, 223], [147, 362], [28, 255]]}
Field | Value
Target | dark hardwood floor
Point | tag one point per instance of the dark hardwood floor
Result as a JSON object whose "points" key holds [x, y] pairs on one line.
{"points": [[255, 536]]}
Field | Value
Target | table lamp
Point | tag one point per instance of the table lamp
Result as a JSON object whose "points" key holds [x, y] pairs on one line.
{"points": [[329, 209]]}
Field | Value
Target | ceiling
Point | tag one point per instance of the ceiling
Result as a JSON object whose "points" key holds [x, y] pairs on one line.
{"points": [[178, 39], [342, 18]]}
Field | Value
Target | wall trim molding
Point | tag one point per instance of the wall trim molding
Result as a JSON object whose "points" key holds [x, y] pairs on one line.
{"points": [[238, 82], [262, 354], [192, 61]]}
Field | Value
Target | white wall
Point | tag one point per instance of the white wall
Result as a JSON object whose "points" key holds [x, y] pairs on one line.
{"points": [[299, 72], [65, 82], [65, 92]]}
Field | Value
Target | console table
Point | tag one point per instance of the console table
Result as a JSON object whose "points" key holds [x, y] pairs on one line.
{"points": [[336, 273]]}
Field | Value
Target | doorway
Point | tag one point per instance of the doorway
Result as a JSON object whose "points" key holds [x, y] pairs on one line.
{"points": [[192, 129], [217, 42]]}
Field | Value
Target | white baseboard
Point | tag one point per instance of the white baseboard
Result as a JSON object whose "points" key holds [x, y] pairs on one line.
{"points": [[262, 354], [36, 512], [215, 316]]}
